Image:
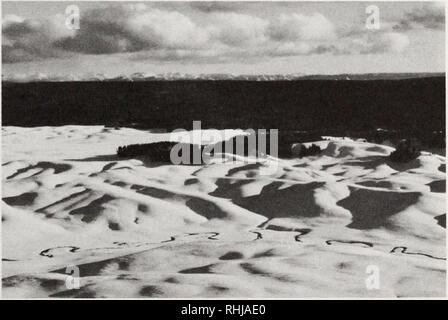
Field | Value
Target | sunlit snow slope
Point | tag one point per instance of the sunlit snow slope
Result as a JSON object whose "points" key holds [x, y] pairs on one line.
{"points": [[136, 228]]}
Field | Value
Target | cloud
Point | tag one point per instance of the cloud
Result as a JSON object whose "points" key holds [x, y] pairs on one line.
{"points": [[11, 19], [27, 40], [373, 43], [236, 29], [213, 6], [301, 27], [212, 33], [167, 29], [429, 16], [130, 28]]}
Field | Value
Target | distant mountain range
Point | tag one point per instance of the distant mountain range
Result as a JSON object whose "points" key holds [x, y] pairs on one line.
{"points": [[139, 76]]}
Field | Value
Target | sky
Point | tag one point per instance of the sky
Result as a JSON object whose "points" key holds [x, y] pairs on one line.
{"points": [[116, 38]]}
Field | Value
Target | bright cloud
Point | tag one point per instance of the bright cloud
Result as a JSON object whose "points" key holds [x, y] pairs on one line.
{"points": [[148, 32]]}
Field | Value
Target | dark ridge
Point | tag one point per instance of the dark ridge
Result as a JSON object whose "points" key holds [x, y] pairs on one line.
{"points": [[321, 105]]}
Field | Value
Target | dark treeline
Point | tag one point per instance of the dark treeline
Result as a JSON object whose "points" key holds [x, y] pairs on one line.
{"points": [[159, 151], [238, 145], [405, 152], [319, 105]]}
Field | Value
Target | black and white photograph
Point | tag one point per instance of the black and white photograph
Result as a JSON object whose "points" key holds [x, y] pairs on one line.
{"points": [[223, 150]]}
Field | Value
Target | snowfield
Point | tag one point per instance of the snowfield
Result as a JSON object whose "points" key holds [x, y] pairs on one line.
{"points": [[344, 223]]}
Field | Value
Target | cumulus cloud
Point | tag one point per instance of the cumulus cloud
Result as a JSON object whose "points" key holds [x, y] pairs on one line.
{"points": [[27, 40], [11, 19], [214, 34], [301, 27], [238, 29], [374, 42], [429, 16], [133, 28]]}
